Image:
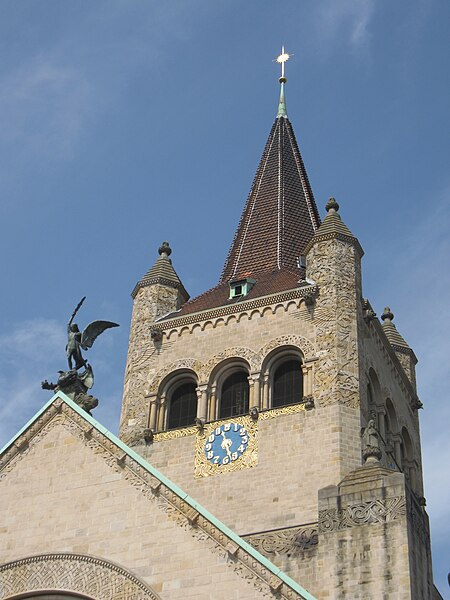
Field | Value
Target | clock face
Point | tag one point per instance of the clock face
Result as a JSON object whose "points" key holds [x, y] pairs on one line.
{"points": [[226, 443]]}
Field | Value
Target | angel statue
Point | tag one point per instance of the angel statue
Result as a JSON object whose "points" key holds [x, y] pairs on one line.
{"points": [[78, 340]]}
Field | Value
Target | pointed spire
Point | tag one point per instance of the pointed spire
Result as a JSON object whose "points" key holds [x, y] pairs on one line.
{"points": [[280, 216]]}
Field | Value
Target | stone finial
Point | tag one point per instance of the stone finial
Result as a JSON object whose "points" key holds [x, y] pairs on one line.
{"points": [[371, 443], [165, 250], [332, 206], [387, 315]]}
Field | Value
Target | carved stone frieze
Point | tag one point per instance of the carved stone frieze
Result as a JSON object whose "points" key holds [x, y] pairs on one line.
{"points": [[95, 577], [284, 541], [285, 297], [375, 511], [298, 341], [250, 356], [186, 363]]}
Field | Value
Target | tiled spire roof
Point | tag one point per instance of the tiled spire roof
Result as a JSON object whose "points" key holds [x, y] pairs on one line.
{"points": [[280, 216], [279, 219]]}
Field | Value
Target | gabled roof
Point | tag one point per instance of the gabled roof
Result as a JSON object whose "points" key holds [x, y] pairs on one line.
{"points": [[148, 476], [280, 215]]}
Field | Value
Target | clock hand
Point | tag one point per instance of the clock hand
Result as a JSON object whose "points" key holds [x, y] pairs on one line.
{"points": [[226, 443]]}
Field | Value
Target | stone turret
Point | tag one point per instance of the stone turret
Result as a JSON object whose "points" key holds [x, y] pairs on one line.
{"points": [[401, 348], [159, 292], [333, 261]]}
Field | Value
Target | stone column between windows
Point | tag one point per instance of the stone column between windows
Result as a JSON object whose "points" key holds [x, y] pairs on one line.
{"points": [[381, 411], [307, 378], [397, 451], [153, 399], [254, 389], [265, 395], [213, 404], [161, 420], [202, 404]]}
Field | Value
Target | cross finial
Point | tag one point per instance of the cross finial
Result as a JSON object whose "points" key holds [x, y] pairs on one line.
{"points": [[282, 58]]}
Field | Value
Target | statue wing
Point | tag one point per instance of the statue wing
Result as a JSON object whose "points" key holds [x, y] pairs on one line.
{"points": [[93, 330]]}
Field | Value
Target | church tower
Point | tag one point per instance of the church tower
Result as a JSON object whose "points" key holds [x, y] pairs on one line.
{"points": [[278, 401]]}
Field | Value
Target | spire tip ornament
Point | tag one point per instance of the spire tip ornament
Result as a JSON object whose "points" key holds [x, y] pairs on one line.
{"points": [[281, 59]]}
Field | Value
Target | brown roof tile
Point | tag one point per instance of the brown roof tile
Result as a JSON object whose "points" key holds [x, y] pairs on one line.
{"points": [[267, 283], [280, 216]]}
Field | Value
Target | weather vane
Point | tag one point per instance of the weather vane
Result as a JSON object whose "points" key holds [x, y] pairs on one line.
{"points": [[284, 57]]}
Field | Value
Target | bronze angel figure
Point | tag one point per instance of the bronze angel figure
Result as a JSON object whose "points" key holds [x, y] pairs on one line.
{"points": [[78, 340]]}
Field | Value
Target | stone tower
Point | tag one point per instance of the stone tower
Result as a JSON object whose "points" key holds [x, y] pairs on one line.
{"points": [[279, 402]]}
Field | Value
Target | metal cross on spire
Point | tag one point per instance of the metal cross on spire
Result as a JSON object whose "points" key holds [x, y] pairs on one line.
{"points": [[282, 58]]}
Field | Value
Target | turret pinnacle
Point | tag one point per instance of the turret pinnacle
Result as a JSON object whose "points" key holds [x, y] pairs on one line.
{"points": [[162, 272]]}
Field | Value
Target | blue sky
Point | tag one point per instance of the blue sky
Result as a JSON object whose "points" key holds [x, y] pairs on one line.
{"points": [[126, 123]]}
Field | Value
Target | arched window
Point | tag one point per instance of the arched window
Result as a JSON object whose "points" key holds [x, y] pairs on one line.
{"points": [[287, 383], [234, 395], [182, 406]]}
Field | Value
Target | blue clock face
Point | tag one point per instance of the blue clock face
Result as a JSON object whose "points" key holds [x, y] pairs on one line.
{"points": [[226, 443]]}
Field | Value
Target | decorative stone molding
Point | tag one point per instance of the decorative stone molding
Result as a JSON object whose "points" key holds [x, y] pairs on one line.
{"points": [[272, 413], [303, 344], [285, 541], [186, 363], [88, 575], [245, 565], [246, 354], [301, 294], [376, 511]]}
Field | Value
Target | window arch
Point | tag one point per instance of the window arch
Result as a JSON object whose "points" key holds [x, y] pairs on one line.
{"points": [[287, 383], [234, 395], [175, 403], [182, 407], [283, 377]]}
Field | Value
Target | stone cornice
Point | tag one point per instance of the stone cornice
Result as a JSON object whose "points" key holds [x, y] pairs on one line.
{"points": [[159, 281], [335, 235], [239, 308]]}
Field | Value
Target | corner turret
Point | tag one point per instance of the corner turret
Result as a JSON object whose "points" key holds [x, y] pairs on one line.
{"points": [[159, 292], [333, 261]]}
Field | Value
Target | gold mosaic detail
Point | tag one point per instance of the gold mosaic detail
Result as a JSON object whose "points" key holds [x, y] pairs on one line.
{"points": [[272, 413], [249, 458], [174, 434]]}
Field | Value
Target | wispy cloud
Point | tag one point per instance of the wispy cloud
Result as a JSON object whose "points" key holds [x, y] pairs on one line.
{"points": [[347, 19], [28, 352], [44, 106]]}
